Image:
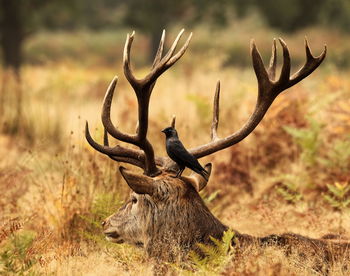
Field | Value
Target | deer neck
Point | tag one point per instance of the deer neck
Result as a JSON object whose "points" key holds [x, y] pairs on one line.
{"points": [[173, 236]]}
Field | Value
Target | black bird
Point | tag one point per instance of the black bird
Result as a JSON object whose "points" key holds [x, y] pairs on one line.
{"points": [[178, 153]]}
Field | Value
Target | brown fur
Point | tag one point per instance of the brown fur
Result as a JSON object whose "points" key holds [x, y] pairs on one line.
{"points": [[169, 222]]}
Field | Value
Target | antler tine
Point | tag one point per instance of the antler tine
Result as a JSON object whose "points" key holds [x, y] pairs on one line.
{"points": [[180, 52], [105, 138], [271, 71], [118, 153], [159, 53], [120, 158], [216, 111], [173, 121], [101, 148], [309, 55], [310, 65], [259, 68], [169, 59], [171, 51], [106, 115], [160, 65], [285, 71], [268, 90], [126, 62]]}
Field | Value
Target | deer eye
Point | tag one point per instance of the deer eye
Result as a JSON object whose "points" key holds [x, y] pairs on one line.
{"points": [[134, 200]]}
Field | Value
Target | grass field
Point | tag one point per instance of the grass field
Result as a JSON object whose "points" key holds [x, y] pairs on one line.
{"points": [[290, 175]]}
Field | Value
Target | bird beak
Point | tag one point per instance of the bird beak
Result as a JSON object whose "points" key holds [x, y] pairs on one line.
{"points": [[163, 130]]}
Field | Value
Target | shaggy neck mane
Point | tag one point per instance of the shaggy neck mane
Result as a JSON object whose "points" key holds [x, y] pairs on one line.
{"points": [[182, 225]]}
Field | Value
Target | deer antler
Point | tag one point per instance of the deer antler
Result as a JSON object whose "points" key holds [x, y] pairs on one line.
{"points": [[145, 157], [268, 90]]}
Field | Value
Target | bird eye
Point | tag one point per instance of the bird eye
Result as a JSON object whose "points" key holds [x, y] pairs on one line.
{"points": [[134, 200]]}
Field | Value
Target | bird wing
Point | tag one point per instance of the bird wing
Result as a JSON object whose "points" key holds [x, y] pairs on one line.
{"points": [[180, 155]]}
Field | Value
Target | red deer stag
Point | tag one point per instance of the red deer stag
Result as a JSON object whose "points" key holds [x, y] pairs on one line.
{"points": [[165, 212]]}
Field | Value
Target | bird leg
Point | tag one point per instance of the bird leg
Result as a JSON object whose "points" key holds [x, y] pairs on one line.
{"points": [[179, 172]]}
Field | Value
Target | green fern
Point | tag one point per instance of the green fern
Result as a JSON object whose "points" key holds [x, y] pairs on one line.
{"points": [[308, 139], [338, 195], [338, 155], [103, 206], [288, 195], [216, 256], [14, 255], [290, 189]]}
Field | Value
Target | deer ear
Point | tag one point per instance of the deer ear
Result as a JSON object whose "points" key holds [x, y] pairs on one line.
{"points": [[139, 183], [196, 180]]}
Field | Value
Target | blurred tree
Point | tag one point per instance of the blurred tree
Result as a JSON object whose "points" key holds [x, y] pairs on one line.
{"points": [[11, 39], [152, 16], [336, 13], [289, 15], [20, 18], [102, 14], [12, 33]]}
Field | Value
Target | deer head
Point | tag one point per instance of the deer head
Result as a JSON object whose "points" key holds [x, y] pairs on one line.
{"points": [[163, 210]]}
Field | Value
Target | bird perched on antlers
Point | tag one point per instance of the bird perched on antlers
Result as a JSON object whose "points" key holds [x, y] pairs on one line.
{"points": [[178, 153]]}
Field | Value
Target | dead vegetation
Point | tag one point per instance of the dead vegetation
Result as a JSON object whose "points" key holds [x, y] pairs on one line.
{"points": [[292, 175]]}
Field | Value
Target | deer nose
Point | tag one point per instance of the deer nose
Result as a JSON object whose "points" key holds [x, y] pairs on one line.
{"points": [[103, 223]]}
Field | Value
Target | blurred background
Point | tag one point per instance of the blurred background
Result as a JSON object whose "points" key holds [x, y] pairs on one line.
{"points": [[25, 23], [87, 34], [57, 59]]}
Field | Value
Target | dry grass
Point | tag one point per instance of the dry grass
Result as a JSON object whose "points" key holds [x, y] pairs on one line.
{"points": [[56, 189]]}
